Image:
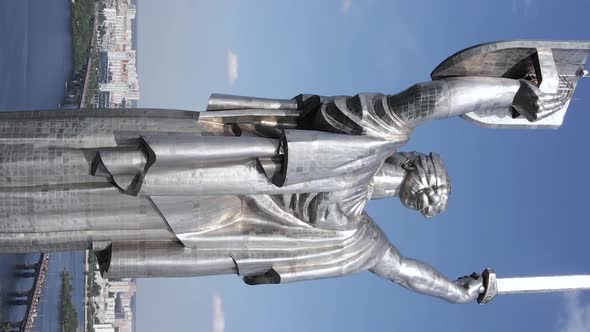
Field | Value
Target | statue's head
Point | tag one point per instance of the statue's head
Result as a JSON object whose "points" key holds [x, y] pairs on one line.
{"points": [[426, 186], [421, 182]]}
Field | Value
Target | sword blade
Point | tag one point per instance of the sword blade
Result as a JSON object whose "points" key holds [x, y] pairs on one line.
{"points": [[543, 284]]}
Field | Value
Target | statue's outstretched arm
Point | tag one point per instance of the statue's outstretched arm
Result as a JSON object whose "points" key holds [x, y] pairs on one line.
{"points": [[456, 96], [424, 279]]}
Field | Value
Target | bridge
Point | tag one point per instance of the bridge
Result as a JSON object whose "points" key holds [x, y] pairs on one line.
{"points": [[30, 297]]}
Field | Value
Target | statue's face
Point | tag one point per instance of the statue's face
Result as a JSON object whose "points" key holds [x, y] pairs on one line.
{"points": [[432, 201], [426, 187]]}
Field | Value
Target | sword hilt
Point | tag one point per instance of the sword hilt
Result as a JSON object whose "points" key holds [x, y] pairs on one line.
{"points": [[490, 286]]}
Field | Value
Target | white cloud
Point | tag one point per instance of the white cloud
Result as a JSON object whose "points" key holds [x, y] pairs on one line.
{"points": [[232, 67], [218, 324], [577, 314], [346, 4]]}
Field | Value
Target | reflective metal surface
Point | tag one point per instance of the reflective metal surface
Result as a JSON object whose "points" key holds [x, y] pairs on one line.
{"points": [[543, 284], [271, 190], [554, 66], [492, 285], [219, 102]]}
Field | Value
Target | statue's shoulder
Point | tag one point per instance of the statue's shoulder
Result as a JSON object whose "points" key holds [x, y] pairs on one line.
{"points": [[366, 222], [364, 114]]}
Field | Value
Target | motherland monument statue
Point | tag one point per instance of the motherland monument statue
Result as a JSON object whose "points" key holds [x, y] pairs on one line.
{"points": [[273, 190]]}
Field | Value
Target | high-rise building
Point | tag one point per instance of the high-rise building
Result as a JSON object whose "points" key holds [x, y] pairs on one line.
{"points": [[122, 84], [122, 286], [104, 328]]}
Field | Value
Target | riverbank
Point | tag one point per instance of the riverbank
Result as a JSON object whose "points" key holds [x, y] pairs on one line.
{"points": [[68, 315], [82, 18], [85, 20], [91, 290]]}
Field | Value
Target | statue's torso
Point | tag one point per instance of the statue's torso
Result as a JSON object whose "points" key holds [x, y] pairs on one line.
{"points": [[55, 196]]}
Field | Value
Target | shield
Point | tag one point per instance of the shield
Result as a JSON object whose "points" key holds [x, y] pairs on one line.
{"points": [[554, 66]]}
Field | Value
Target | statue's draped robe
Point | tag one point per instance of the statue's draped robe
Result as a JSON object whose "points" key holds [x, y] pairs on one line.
{"points": [[274, 195]]}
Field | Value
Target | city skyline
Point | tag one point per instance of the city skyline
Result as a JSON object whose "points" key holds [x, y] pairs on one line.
{"points": [[120, 83], [115, 304]]}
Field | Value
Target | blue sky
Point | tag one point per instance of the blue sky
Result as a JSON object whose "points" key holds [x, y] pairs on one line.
{"points": [[519, 201]]}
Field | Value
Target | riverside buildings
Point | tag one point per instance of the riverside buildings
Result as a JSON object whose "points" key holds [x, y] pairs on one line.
{"points": [[119, 87], [114, 304]]}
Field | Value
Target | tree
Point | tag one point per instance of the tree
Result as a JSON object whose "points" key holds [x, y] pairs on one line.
{"points": [[68, 315], [6, 327]]}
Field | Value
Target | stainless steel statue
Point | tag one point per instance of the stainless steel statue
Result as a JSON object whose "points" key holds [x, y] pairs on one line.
{"points": [[272, 190]]}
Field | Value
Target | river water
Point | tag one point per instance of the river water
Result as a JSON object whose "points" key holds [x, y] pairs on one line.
{"points": [[35, 63]]}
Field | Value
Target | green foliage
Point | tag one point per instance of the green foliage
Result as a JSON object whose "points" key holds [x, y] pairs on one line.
{"points": [[92, 287], [82, 29], [92, 78], [102, 31], [67, 313], [95, 289], [6, 327]]}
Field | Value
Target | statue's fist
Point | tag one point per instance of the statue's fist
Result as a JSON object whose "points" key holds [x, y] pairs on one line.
{"points": [[472, 286], [535, 105]]}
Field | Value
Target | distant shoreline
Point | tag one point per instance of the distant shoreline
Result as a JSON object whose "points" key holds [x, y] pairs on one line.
{"points": [[103, 55], [83, 28], [68, 315]]}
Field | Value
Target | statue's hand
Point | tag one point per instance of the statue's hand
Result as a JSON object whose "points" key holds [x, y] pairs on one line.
{"points": [[472, 286], [535, 105]]}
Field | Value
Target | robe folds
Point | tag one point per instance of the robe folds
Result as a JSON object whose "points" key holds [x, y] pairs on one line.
{"points": [[274, 195]]}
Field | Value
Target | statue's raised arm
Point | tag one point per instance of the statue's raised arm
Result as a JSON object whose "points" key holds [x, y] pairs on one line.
{"points": [[518, 84], [508, 84], [547, 71]]}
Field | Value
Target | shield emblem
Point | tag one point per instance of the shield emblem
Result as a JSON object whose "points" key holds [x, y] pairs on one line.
{"points": [[554, 66]]}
